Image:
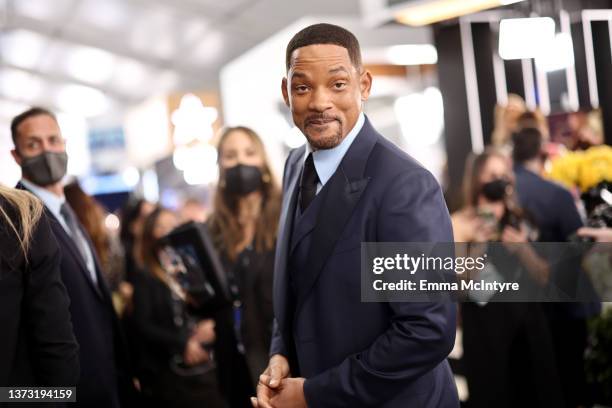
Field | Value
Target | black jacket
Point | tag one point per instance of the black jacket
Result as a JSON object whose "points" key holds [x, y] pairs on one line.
{"points": [[157, 336], [37, 345], [106, 378]]}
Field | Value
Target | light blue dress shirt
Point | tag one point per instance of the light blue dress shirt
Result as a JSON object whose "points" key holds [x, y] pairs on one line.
{"points": [[54, 204], [326, 161]]}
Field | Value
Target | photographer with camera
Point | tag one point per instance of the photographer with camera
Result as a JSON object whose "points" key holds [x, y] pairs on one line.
{"points": [[176, 361], [507, 345]]}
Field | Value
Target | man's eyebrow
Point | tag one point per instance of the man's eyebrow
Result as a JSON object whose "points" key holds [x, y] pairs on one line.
{"points": [[298, 74], [30, 137], [337, 70]]}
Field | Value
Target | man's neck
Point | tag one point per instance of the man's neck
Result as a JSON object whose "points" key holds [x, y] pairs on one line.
{"points": [[534, 166], [55, 188]]}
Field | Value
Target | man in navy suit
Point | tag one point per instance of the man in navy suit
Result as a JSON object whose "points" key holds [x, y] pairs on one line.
{"points": [[41, 152], [346, 186]]}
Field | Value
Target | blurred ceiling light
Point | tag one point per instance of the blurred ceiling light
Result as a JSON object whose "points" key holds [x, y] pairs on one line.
{"points": [[90, 64], [107, 14], [192, 29], [420, 13], [20, 85], [130, 176], [22, 47], [559, 55], [165, 81], [521, 38], [412, 54], [192, 120], [42, 9], [209, 49], [152, 30], [82, 100], [131, 76]]}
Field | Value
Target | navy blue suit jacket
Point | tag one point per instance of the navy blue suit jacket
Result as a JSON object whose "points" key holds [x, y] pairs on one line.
{"points": [[356, 354], [105, 377], [551, 205]]}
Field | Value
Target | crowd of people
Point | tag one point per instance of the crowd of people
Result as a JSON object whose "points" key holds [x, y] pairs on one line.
{"points": [[101, 311], [138, 335]]}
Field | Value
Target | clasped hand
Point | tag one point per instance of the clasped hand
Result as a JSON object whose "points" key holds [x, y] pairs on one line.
{"points": [[276, 389]]}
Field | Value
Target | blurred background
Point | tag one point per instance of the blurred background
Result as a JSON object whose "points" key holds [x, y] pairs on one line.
{"points": [[142, 87]]}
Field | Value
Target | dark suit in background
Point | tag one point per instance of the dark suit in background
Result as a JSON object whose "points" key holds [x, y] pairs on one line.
{"points": [[37, 345], [356, 354], [557, 218], [105, 379]]}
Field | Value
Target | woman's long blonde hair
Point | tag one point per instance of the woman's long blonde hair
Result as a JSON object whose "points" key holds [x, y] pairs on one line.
{"points": [[28, 209]]}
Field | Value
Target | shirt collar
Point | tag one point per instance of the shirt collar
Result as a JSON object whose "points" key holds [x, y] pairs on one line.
{"points": [[53, 202], [326, 161]]}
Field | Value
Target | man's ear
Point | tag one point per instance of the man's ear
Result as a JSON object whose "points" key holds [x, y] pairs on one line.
{"points": [[285, 92], [16, 156], [365, 84]]}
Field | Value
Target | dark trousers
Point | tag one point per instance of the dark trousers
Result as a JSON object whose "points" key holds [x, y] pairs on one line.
{"points": [[508, 356], [169, 390]]}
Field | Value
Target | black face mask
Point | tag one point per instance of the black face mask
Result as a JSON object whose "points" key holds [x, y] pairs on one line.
{"points": [[46, 168], [243, 179], [495, 190]]}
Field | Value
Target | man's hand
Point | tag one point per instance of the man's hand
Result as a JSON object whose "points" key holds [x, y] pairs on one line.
{"points": [[291, 394], [270, 381], [194, 354], [598, 234], [204, 332]]}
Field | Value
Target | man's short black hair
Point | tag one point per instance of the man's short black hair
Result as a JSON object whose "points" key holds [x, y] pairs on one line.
{"points": [[324, 33], [19, 119], [527, 144]]}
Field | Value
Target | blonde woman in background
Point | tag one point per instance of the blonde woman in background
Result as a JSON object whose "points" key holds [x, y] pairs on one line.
{"points": [[37, 345]]}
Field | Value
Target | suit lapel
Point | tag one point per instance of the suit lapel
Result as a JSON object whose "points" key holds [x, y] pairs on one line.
{"points": [[67, 242], [285, 227], [62, 235], [343, 193]]}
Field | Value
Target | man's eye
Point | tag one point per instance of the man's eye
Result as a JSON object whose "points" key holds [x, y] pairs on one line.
{"points": [[340, 85], [301, 88]]}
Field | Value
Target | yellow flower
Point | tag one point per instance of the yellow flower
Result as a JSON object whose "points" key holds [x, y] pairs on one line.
{"points": [[583, 169], [595, 167]]}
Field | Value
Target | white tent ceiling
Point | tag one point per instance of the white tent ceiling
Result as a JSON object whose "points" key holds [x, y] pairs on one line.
{"points": [[90, 56]]}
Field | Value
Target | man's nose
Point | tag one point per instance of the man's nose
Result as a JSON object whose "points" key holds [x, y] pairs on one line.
{"points": [[320, 100]]}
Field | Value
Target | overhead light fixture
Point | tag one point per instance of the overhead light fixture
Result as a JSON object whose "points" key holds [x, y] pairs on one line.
{"points": [[20, 85], [90, 64], [22, 48], [521, 38], [428, 12], [559, 55], [82, 100]]}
